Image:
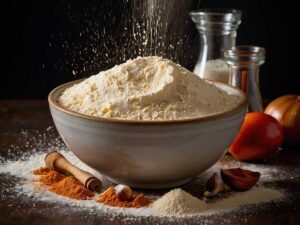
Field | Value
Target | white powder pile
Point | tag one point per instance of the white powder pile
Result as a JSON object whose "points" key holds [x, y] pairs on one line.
{"points": [[217, 70], [178, 202], [147, 88]]}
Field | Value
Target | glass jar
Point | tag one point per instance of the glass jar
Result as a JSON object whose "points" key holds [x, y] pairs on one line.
{"points": [[217, 29], [244, 63]]}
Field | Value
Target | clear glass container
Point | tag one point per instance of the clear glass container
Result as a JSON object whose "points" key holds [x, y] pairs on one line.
{"points": [[217, 29], [244, 63]]}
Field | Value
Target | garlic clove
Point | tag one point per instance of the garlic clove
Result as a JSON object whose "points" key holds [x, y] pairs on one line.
{"points": [[215, 185]]}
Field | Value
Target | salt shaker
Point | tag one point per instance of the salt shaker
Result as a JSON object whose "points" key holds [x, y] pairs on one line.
{"points": [[244, 63], [217, 29]]}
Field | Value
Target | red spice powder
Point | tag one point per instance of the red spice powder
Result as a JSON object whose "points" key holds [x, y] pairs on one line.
{"points": [[51, 177], [110, 198], [41, 171], [63, 185], [72, 188], [140, 201]]}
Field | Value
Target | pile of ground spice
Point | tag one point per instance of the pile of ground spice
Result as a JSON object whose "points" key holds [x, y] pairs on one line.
{"points": [[109, 197], [72, 188], [60, 184], [41, 171], [51, 178]]}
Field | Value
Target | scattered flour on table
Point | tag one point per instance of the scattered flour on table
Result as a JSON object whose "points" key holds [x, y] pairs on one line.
{"points": [[254, 196], [24, 166], [176, 203]]}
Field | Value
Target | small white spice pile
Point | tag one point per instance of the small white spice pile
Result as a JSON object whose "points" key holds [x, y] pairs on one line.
{"points": [[178, 202]]}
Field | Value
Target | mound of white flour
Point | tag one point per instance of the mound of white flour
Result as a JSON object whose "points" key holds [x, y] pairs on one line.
{"points": [[147, 88]]}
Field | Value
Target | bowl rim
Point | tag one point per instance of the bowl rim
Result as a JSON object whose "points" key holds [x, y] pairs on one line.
{"points": [[56, 92]]}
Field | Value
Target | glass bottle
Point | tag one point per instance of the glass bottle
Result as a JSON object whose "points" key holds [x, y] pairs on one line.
{"points": [[217, 29], [244, 63]]}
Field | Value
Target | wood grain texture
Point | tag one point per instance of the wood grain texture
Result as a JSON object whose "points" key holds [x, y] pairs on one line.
{"points": [[32, 115]]}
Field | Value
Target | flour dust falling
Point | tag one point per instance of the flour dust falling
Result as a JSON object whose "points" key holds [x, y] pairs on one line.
{"points": [[101, 34]]}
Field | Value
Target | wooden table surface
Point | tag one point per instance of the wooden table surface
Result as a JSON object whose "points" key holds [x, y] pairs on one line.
{"points": [[16, 116]]}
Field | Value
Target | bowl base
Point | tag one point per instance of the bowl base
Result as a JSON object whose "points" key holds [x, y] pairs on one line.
{"points": [[150, 185]]}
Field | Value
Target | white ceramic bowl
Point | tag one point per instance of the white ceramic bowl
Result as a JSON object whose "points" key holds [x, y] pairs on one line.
{"points": [[148, 154]]}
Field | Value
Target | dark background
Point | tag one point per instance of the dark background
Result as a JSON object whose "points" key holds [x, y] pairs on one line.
{"points": [[47, 43]]}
